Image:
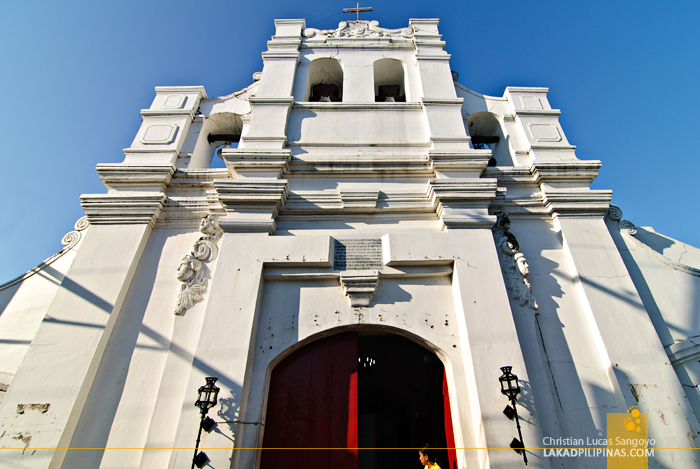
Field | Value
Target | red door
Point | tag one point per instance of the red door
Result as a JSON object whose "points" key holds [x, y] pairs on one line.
{"points": [[312, 403], [449, 432]]}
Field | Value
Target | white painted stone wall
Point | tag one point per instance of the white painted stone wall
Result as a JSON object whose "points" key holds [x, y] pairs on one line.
{"points": [[121, 370], [24, 301]]}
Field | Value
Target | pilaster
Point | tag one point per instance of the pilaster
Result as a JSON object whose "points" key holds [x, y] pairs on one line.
{"points": [[441, 105], [615, 313], [489, 341], [539, 123], [165, 125], [136, 186], [271, 105], [565, 188], [433, 61], [60, 365], [224, 349]]}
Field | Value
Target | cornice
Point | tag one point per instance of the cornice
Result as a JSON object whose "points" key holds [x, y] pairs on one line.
{"points": [[168, 113], [187, 211], [122, 208], [463, 188], [577, 202], [197, 178], [463, 202], [346, 106], [251, 204], [252, 191], [474, 160], [280, 55], [510, 174], [573, 170], [440, 45], [364, 43], [522, 206], [151, 150], [270, 162], [527, 89], [121, 176], [277, 100], [284, 41], [552, 146], [443, 101], [183, 89], [538, 112], [361, 164], [346, 203]]}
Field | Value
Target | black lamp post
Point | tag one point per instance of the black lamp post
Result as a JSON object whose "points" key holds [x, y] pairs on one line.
{"points": [[207, 399], [510, 388]]}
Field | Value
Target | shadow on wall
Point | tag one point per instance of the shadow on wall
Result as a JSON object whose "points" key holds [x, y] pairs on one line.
{"points": [[666, 329], [633, 394], [105, 393], [557, 387], [657, 242], [230, 412], [390, 292], [6, 296], [526, 400], [296, 122], [640, 284]]}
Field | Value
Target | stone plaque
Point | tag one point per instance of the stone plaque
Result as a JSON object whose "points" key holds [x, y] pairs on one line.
{"points": [[357, 254]]}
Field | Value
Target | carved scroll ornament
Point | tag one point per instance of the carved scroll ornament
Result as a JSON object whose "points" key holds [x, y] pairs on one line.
{"points": [[361, 28], [513, 263], [193, 271]]}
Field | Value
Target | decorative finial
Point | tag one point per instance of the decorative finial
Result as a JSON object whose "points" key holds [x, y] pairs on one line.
{"points": [[357, 10]]}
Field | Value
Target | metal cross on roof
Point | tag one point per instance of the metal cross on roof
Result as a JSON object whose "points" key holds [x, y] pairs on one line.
{"points": [[357, 10]]}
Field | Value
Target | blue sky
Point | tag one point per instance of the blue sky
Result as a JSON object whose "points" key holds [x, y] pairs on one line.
{"points": [[75, 75]]}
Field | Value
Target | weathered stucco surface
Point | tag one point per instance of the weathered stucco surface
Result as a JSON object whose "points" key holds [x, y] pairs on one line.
{"points": [[491, 250]]}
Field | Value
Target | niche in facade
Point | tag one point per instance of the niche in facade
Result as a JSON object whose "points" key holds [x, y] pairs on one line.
{"points": [[389, 83], [218, 130], [325, 81], [486, 133]]}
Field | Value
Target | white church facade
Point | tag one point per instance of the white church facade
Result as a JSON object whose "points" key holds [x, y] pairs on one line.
{"points": [[381, 242]]}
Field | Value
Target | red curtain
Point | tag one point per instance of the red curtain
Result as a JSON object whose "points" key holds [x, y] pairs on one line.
{"points": [[312, 403], [449, 432]]}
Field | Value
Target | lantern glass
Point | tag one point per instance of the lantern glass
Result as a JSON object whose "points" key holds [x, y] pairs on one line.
{"points": [[509, 383], [208, 395]]}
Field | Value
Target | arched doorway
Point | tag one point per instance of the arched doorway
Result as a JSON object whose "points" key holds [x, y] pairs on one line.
{"points": [[380, 392]]}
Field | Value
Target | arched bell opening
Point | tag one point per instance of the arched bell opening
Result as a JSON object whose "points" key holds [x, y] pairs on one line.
{"points": [[218, 130], [485, 131], [389, 85], [372, 389], [324, 82]]}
